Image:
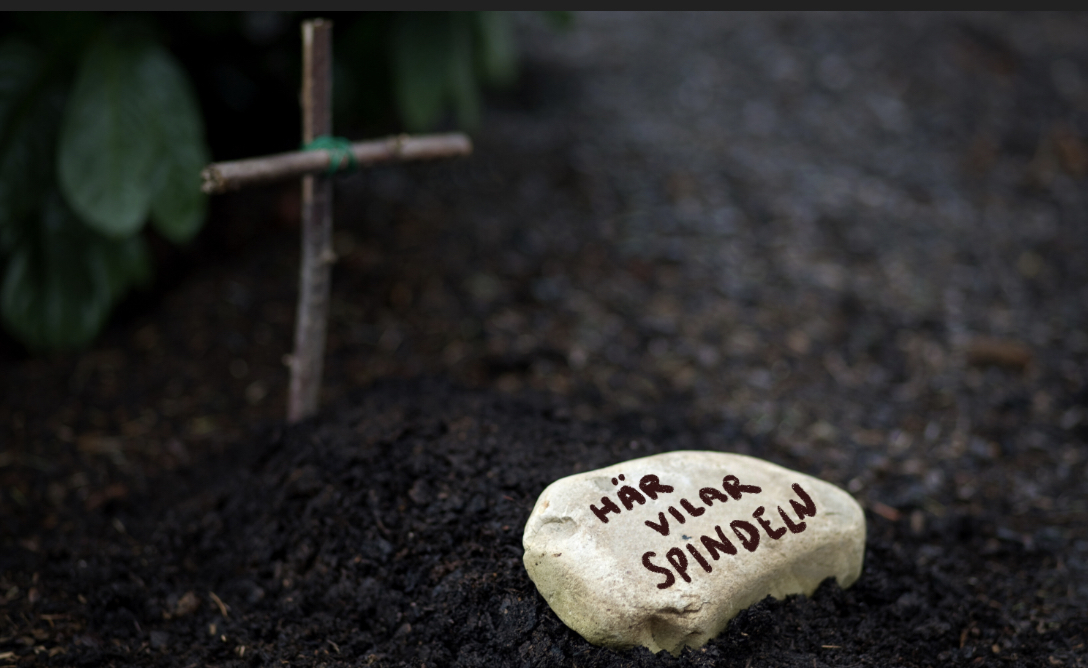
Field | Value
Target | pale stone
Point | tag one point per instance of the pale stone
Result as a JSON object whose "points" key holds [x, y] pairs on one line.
{"points": [[597, 575]]}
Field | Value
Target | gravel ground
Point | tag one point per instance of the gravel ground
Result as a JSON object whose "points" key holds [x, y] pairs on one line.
{"points": [[851, 244]]}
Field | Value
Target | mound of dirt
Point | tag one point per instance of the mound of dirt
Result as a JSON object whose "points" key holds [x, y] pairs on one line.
{"points": [[388, 532]]}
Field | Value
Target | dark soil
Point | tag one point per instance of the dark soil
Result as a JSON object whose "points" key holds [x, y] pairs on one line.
{"points": [[391, 534], [851, 245]]}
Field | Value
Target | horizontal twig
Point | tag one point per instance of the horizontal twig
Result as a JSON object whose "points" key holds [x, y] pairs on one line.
{"points": [[223, 176]]}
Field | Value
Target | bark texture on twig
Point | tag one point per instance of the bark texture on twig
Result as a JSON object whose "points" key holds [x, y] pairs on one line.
{"points": [[224, 176], [317, 257]]}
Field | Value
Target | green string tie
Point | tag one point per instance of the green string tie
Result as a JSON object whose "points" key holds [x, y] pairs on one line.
{"points": [[340, 156]]}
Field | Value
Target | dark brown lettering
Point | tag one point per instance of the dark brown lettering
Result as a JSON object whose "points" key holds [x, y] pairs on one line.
{"points": [[699, 558], [650, 485], [607, 506], [628, 495], [807, 510], [794, 528], [669, 579], [708, 495], [676, 513], [714, 546], [679, 562], [692, 510], [751, 542], [662, 528], [731, 484], [773, 533]]}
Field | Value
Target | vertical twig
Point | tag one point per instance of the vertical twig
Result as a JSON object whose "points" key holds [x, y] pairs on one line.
{"points": [[317, 256]]}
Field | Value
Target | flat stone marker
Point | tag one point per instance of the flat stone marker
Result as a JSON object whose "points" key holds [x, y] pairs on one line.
{"points": [[663, 551]]}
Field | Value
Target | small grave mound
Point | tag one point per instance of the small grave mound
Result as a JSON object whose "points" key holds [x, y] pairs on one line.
{"points": [[388, 532], [394, 529]]}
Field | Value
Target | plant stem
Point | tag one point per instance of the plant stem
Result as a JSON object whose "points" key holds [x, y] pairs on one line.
{"points": [[221, 177]]}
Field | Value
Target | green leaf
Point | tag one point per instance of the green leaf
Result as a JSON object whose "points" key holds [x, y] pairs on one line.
{"points": [[61, 283], [433, 65], [133, 141], [178, 205], [106, 158], [421, 46], [496, 51]]}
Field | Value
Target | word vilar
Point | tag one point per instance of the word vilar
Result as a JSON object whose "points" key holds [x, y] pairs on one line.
{"points": [[715, 546]]}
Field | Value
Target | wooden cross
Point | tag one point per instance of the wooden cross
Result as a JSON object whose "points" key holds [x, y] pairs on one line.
{"points": [[307, 360]]}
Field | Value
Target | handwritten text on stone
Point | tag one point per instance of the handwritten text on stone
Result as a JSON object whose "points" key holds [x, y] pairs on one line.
{"points": [[651, 487]]}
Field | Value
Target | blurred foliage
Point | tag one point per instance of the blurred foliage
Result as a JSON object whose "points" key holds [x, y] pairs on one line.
{"points": [[103, 136], [99, 131]]}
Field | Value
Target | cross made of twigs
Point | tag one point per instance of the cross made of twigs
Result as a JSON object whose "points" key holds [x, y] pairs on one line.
{"points": [[307, 360]]}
